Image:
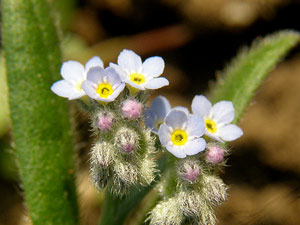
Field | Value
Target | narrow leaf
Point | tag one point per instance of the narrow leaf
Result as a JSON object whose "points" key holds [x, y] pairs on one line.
{"points": [[40, 120], [247, 71]]}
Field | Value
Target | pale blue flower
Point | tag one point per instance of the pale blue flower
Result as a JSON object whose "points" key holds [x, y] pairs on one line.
{"points": [[155, 116], [140, 75], [103, 84], [74, 73], [181, 134], [217, 118]]}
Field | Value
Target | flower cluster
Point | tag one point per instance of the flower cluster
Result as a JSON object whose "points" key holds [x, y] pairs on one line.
{"points": [[180, 131], [105, 84], [197, 139], [128, 135], [123, 154]]}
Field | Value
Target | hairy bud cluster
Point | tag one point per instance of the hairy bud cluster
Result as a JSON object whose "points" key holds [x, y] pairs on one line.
{"points": [[123, 155], [197, 191]]}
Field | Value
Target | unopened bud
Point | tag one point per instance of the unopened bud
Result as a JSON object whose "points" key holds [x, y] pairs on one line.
{"points": [[132, 109], [104, 121], [189, 170], [214, 154], [102, 154], [126, 140]]}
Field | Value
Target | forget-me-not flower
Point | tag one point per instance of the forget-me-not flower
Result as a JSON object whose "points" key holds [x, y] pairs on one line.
{"points": [[140, 75], [103, 84], [181, 134], [155, 116], [217, 118], [74, 73]]}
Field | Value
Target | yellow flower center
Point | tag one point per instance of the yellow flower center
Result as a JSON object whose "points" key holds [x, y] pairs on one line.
{"points": [[78, 86], [137, 78], [179, 137], [211, 126], [104, 90]]}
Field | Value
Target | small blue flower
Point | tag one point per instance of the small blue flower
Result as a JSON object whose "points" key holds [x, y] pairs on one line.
{"points": [[181, 134], [217, 118], [103, 85], [155, 116], [140, 75], [74, 73]]}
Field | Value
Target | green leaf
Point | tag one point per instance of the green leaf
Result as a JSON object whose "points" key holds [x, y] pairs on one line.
{"points": [[247, 71], [40, 119], [4, 109]]}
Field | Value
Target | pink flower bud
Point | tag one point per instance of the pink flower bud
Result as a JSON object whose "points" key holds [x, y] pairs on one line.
{"points": [[132, 109], [189, 170], [191, 174], [215, 154], [126, 140], [128, 147], [104, 122]]}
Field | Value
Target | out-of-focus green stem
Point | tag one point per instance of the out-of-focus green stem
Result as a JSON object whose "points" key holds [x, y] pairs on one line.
{"points": [[116, 210], [40, 120], [247, 71]]}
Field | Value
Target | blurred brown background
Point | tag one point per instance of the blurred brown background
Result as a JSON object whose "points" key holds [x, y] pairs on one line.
{"points": [[196, 38]]}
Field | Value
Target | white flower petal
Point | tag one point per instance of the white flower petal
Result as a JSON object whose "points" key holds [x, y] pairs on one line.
{"points": [[214, 136], [160, 106], [72, 71], [117, 91], [195, 125], [95, 61], [130, 61], [181, 108], [89, 88], [223, 112], [164, 135], [201, 106], [176, 151], [96, 75], [195, 146], [134, 85], [156, 83], [230, 132], [153, 66], [176, 119], [64, 89], [123, 75], [112, 76]]}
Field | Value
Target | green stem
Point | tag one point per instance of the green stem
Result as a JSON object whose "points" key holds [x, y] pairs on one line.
{"points": [[116, 210], [40, 120], [247, 71]]}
